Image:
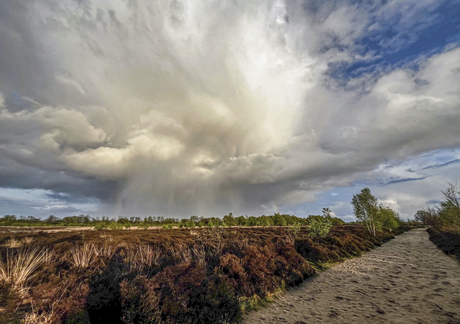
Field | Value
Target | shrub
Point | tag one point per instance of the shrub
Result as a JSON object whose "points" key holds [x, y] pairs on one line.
{"points": [[99, 227], [337, 221], [319, 227], [143, 225], [115, 226]]}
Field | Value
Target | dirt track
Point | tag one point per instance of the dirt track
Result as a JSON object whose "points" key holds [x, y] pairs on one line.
{"points": [[407, 280]]}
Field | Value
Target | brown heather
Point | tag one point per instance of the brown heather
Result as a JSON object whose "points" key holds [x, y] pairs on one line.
{"points": [[167, 276], [447, 239]]}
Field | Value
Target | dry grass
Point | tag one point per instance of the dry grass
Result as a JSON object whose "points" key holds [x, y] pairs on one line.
{"points": [[12, 243], [83, 255], [199, 255], [20, 265], [36, 318], [106, 251], [148, 255], [139, 257], [27, 240], [107, 236]]}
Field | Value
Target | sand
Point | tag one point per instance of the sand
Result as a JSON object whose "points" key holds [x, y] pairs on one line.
{"points": [[406, 280]]}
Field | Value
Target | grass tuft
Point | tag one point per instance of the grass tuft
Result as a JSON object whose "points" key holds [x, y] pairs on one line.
{"points": [[19, 266], [83, 255]]}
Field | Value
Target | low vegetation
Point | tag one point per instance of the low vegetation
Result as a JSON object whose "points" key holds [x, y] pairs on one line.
{"points": [[196, 270], [200, 275], [20, 265]]}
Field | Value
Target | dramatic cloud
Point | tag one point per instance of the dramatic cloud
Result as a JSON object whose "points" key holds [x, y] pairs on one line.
{"points": [[205, 107]]}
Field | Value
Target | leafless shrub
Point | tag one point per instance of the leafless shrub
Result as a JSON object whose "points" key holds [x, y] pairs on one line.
{"points": [[20, 265]]}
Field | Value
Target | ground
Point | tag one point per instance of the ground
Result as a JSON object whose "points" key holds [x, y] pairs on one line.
{"points": [[407, 280]]}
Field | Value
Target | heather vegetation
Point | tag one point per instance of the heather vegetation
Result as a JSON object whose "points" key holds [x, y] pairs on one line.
{"points": [[188, 275]]}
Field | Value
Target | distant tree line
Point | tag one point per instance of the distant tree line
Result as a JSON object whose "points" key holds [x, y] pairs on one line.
{"points": [[194, 221]]}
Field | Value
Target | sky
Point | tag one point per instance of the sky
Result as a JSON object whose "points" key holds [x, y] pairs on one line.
{"points": [[180, 108]]}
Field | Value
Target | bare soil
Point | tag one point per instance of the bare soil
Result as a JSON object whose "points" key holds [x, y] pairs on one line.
{"points": [[407, 280]]}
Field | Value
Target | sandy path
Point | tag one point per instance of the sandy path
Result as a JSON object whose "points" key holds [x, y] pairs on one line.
{"points": [[407, 280]]}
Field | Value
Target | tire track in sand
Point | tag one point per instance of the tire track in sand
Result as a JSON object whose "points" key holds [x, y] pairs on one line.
{"points": [[406, 280]]}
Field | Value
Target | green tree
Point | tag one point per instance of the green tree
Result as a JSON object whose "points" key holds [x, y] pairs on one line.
{"points": [[52, 219], [365, 207], [327, 213], [319, 226], [114, 226], [387, 218], [241, 221], [337, 221], [264, 221], [143, 225], [279, 220], [229, 220], [429, 216], [449, 211]]}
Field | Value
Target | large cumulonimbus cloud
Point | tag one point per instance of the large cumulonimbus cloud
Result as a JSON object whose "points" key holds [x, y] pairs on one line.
{"points": [[205, 107]]}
